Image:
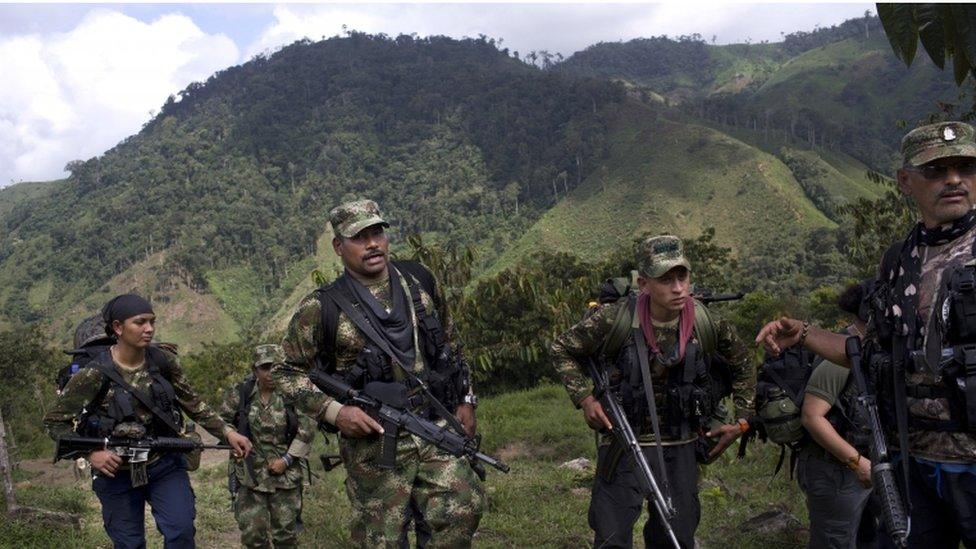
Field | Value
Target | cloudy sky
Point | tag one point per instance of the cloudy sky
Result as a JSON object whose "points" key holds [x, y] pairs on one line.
{"points": [[78, 78]]}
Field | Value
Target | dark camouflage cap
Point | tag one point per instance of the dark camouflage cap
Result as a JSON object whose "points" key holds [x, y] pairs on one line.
{"points": [[927, 143], [268, 354], [659, 254], [350, 218]]}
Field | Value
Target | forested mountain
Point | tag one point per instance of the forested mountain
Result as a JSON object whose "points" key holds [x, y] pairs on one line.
{"points": [[218, 208], [838, 88], [226, 191]]}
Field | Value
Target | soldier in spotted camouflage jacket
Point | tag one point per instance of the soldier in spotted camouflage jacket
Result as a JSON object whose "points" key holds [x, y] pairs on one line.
{"points": [[670, 326], [444, 488], [268, 507]]}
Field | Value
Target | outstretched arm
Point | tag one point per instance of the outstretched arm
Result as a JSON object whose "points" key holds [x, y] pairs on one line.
{"points": [[787, 332]]}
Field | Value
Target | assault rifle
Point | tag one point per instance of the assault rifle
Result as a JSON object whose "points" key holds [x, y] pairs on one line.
{"points": [[625, 437], [882, 471], [388, 404], [137, 450]]}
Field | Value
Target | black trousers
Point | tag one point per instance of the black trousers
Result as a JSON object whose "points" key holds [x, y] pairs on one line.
{"points": [[943, 507], [616, 504]]}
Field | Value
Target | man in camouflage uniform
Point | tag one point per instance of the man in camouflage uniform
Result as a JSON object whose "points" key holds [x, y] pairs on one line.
{"points": [[268, 506], [391, 295], [96, 405], [668, 319], [911, 323]]}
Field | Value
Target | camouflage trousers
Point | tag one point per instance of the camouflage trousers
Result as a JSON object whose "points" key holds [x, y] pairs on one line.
{"points": [[266, 517], [445, 489]]}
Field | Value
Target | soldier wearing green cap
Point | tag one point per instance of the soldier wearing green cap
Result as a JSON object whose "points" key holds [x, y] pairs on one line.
{"points": [[686, 345], [267, 486], [918, 333], [402, 333]]}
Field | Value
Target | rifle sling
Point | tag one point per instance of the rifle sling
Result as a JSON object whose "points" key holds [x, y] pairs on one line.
{"points": [[111, 373], [645, 371], [364, 325]]}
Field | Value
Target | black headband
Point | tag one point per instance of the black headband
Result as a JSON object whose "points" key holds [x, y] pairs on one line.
{"points": [[123, 307]]}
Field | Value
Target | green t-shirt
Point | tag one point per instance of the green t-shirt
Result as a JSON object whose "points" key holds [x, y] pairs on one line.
{"points": [[829, 381]]}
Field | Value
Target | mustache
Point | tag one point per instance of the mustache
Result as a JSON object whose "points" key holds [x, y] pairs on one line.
{"points": [[949, 191], [370, 255]]}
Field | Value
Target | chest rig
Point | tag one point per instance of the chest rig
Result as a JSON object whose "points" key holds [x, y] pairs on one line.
{"points": [[689, 390], [445, 374], [108, 410]]}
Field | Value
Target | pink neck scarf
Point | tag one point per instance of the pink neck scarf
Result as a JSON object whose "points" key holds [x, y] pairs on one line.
{"points": [[686, 324]]}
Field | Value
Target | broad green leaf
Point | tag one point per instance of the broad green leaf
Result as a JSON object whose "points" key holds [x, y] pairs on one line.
{"points": [[899, 25], [960, 62], [931, 31]]}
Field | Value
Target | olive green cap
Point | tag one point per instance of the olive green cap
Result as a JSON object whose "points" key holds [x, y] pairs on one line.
{"points": [[659, 254], [268, 354], [350, 218], [933, 141]]}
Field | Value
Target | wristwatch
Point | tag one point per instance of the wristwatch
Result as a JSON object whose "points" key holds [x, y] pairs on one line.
{"points": [[471, 399]]}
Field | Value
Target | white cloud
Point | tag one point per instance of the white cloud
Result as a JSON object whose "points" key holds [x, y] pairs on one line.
{"points": [[76, 94]]}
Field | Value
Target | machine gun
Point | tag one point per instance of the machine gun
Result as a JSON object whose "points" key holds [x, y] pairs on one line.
{"points": [[388, 404], [708, 297], [625, 437], [882, 471]]}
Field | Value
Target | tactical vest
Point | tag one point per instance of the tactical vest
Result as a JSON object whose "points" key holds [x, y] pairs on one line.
{"points": [[242, 423], [99, 421], [956, 369], [693, 387], [445, 372]]}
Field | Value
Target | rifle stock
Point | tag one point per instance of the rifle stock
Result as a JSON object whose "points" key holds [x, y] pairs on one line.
{"points": [[625, 437], [385, 403], [896, 519]]}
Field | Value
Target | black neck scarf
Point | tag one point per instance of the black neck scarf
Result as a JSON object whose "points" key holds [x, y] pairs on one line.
{"points": [[906, 276], [395, 325]]}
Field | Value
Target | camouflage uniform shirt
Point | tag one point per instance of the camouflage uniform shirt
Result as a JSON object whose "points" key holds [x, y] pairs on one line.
{"points": [[586, 337], [303, 339], [84, 386], [269, 424]]}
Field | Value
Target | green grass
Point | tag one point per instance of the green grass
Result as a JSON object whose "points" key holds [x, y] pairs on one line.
{"points": [[538, 504]]}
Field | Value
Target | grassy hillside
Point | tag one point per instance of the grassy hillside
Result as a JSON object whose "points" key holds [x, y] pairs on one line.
{"points": [[665, 175], [538, 504], [187, 316]]}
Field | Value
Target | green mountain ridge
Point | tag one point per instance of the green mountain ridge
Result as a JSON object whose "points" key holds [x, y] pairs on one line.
{"points": [[218, 208]]}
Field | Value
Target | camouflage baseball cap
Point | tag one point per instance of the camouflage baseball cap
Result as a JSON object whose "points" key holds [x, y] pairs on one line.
{"points": [[659, 254], [927, 143], [350, 218], [268, 354]]}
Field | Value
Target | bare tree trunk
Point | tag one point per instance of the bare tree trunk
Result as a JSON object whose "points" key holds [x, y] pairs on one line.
{"points": [[5, 479]]}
